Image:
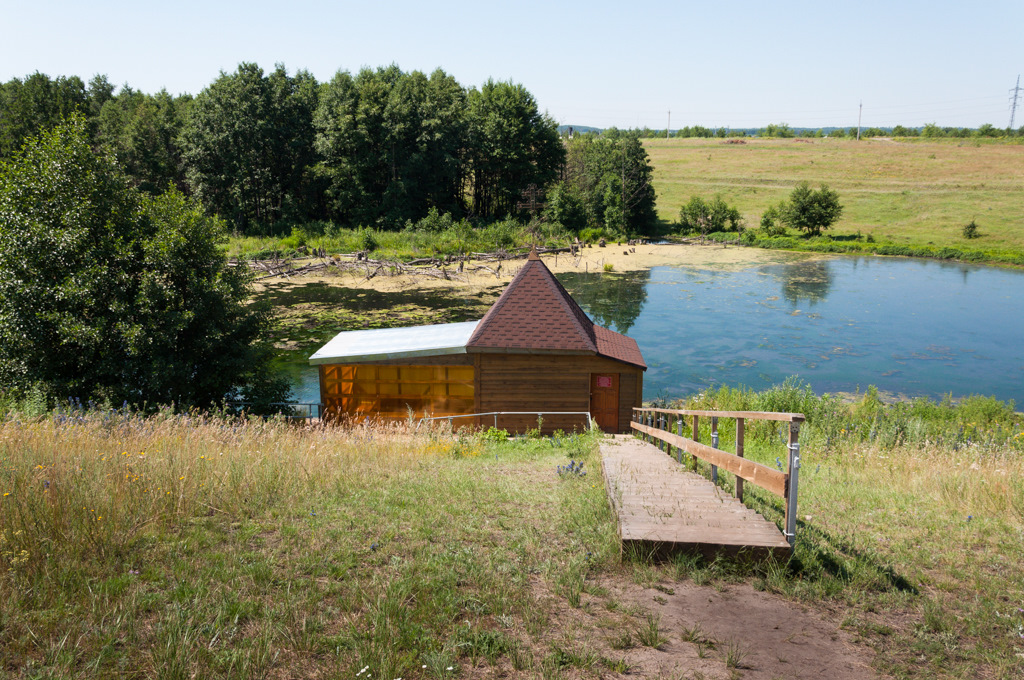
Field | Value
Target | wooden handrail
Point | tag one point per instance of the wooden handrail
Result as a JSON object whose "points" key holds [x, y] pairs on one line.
{"points": [[782, 484], [756, 473], [752, 415]]}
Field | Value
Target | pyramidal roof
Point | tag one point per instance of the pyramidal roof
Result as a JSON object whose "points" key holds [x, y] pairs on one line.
{"points": [[535, 313]]}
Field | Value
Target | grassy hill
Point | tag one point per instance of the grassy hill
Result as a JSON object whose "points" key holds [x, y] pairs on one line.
{"points": [[915, 192]]}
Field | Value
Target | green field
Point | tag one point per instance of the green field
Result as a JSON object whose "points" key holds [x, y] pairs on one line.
{"points": [[908, 192]]}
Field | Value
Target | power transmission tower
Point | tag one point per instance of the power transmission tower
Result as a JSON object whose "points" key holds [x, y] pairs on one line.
{"points": [[1014, 96]]}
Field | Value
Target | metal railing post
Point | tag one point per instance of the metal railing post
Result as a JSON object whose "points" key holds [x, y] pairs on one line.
{"points": [[679, 431], [714, 445], [739, 454], [792, 482], [663, 445], [696, 438]]}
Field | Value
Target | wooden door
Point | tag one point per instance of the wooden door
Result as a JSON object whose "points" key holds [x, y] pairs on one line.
{"points": [[604, 400]]}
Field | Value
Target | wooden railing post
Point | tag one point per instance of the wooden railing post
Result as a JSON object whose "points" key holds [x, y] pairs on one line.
{"points": [[793, 482], [739, 453], [714, 445]]}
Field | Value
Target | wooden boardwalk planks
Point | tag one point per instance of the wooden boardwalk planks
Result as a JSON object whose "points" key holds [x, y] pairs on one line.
{"points": [[663, 508]]}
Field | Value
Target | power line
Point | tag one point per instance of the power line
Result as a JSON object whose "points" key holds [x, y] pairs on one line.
{"points": [[1013, 106]]}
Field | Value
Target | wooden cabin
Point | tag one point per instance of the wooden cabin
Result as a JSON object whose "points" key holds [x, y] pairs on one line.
{"points": [[534, 351]]}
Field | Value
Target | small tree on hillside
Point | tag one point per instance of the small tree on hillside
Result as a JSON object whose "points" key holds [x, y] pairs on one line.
{"points": [[811, 210]]}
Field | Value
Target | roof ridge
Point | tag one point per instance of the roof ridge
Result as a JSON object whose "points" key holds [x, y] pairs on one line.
{"points": [[500, 324], [574, 308]]}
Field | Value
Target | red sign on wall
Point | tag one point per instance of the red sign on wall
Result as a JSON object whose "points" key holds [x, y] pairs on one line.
{"points": [[604, 381]]}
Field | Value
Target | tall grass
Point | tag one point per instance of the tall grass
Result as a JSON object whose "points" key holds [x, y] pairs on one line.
{"points": [[910, 519], [188, 546]]}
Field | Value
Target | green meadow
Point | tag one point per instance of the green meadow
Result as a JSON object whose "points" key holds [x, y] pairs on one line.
{"points": [[908, 192]]}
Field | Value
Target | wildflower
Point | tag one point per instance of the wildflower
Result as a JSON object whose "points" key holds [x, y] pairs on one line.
{"points": [[180, 478]]}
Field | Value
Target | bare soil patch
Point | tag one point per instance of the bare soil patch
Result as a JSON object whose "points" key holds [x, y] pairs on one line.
{"points": [[713, 631]]}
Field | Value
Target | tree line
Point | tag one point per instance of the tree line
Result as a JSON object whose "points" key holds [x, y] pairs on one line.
{"points": [[268, 150], [783, 130]]}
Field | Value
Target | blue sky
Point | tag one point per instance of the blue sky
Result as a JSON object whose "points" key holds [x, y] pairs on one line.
{"points": [[744, 64]]}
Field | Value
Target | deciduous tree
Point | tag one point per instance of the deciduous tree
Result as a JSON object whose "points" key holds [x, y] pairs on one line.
{"points": [[811, 210], [247, 144], [513, 145], [108, 293]]}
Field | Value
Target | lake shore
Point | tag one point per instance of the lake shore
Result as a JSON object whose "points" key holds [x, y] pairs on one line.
{"points": [[480, 277]]}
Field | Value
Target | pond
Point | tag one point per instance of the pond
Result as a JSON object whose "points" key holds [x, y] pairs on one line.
{"points": [[909, 327]]}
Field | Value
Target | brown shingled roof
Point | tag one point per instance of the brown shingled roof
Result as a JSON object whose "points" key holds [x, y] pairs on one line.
{"points": [[535, 313]]}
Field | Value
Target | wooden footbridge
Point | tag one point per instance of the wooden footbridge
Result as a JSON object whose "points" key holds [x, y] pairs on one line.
{"points": [[663, 507]]}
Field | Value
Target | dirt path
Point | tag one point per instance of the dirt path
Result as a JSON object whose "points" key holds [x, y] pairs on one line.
{"points": [[713, 631], [771, 637]]}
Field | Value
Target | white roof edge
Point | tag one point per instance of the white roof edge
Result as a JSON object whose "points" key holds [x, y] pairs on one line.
{"points": [[315, 360], [395, 343]]}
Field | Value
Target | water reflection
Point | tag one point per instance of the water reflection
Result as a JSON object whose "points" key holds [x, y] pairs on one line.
{"points": [[808, 282], [910, 327], [612, 300]]}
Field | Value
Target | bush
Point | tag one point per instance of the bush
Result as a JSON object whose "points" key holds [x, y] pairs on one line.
{"points": [[433, 223], [297, 238], [504, 234], [771, 224], [708, 216], [368, 240], [593, 235], [970, 230]]}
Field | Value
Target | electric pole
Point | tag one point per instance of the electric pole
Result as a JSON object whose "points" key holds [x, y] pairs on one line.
{"points": [[860, 112], [668, 130], [1015, 95]]}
